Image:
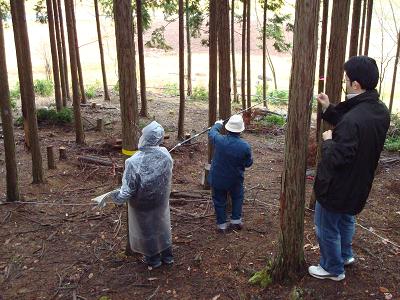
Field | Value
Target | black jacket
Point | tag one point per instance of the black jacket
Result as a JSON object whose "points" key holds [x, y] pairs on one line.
{"points": [[347, 168]]}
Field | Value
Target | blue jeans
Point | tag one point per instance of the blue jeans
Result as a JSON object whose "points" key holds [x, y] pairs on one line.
{"points": [[219, 197], [165, 256], [335, 234]]}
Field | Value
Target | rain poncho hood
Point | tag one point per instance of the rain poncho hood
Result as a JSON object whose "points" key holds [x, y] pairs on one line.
{"points": [[146, 186]]}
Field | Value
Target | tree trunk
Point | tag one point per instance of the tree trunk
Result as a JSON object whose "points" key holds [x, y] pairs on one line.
{"points": [[181, 120], [396, 62], [234, 79], [60, 53], [213, 68], [20, 64], [355, 27], [80, 135], [264, 55], [103, 66], [337, 49], [78, 58], [248, 37], [364, 13], [368, 26], [127, 76], [54, 57], [289, 261], [321, 84], [64, 49], [18, 10], [12, 193], [272, 69], [224, 60], [143, 97], [189, 51], [243, 76]]}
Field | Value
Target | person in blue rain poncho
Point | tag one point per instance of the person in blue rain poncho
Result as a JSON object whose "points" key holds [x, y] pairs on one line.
{"points": [[146, 186]]}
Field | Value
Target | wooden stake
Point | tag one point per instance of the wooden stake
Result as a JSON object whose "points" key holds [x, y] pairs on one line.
{"points": [[50, 158], [100, 125], [63, 153]]}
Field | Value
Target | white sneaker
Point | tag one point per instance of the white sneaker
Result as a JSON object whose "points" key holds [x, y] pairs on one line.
{"points": [[320, 273], [349, 261]]}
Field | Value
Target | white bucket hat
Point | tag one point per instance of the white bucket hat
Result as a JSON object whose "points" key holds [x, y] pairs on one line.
{"points": [[235, 124]]}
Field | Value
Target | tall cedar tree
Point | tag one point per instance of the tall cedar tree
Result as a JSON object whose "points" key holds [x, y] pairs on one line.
{"points": [[26, 81], [213, 68], [224, 60], [243, 75], [64, 49], [289, 260], [234, 79], [248, 38], [60, 53], [127, 81], [264, 40], [12, 193], [54, 55], [321, 84], [143, 97], [396, 63], [364, 14], [368, 26], [79, 133], [181, 120], [78, 57], [100, 40], [189, 50], [355, 28]]}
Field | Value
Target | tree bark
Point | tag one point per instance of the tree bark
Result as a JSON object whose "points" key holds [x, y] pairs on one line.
{"points": [[213, 68], [54, 56], [64, 49], [321, 85], [181, 120], [78, 57], [79, 133], [189, 51], [289, 261], [143, 97], [60, 53], [12, 193], [396, 63], [127, 76], [364, 14], [224, 60], [248, 38], [355, 27], [368, 26], [265, 55], [234, 79], [18, 10], [243, 79], [20, 64], [337, 49], [103, 66]]}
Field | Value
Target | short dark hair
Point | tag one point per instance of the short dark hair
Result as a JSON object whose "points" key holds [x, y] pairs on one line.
{"points": [[364, 70]]}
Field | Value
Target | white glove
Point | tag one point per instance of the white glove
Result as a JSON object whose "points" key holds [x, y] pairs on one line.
{"points": [[103, 199], [220, 122]]}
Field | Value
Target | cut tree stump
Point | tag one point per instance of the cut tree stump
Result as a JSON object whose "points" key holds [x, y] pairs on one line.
{"points": [[50, 158], [63, 153]]}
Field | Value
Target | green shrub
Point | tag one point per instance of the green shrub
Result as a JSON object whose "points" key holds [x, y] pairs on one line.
{"points": [[116, 87], [19, 121], [259, 93], [43, 87], [392, 142], [200, 93], [91, 90], [15, 94], [64, 116], [171, 89], [274, 120], [278, 97]]}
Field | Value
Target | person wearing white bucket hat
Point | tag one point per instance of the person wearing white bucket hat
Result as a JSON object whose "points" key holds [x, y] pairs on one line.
{"points": [[231, 156]]}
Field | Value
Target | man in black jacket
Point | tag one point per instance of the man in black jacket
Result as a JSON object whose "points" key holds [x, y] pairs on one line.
{"points": [[350, 154]]}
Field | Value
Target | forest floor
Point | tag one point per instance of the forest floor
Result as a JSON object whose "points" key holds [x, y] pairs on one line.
{"points": [[62, 248]]}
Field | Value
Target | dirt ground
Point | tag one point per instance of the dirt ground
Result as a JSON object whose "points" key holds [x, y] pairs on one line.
{"points": [[60, 248]]}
